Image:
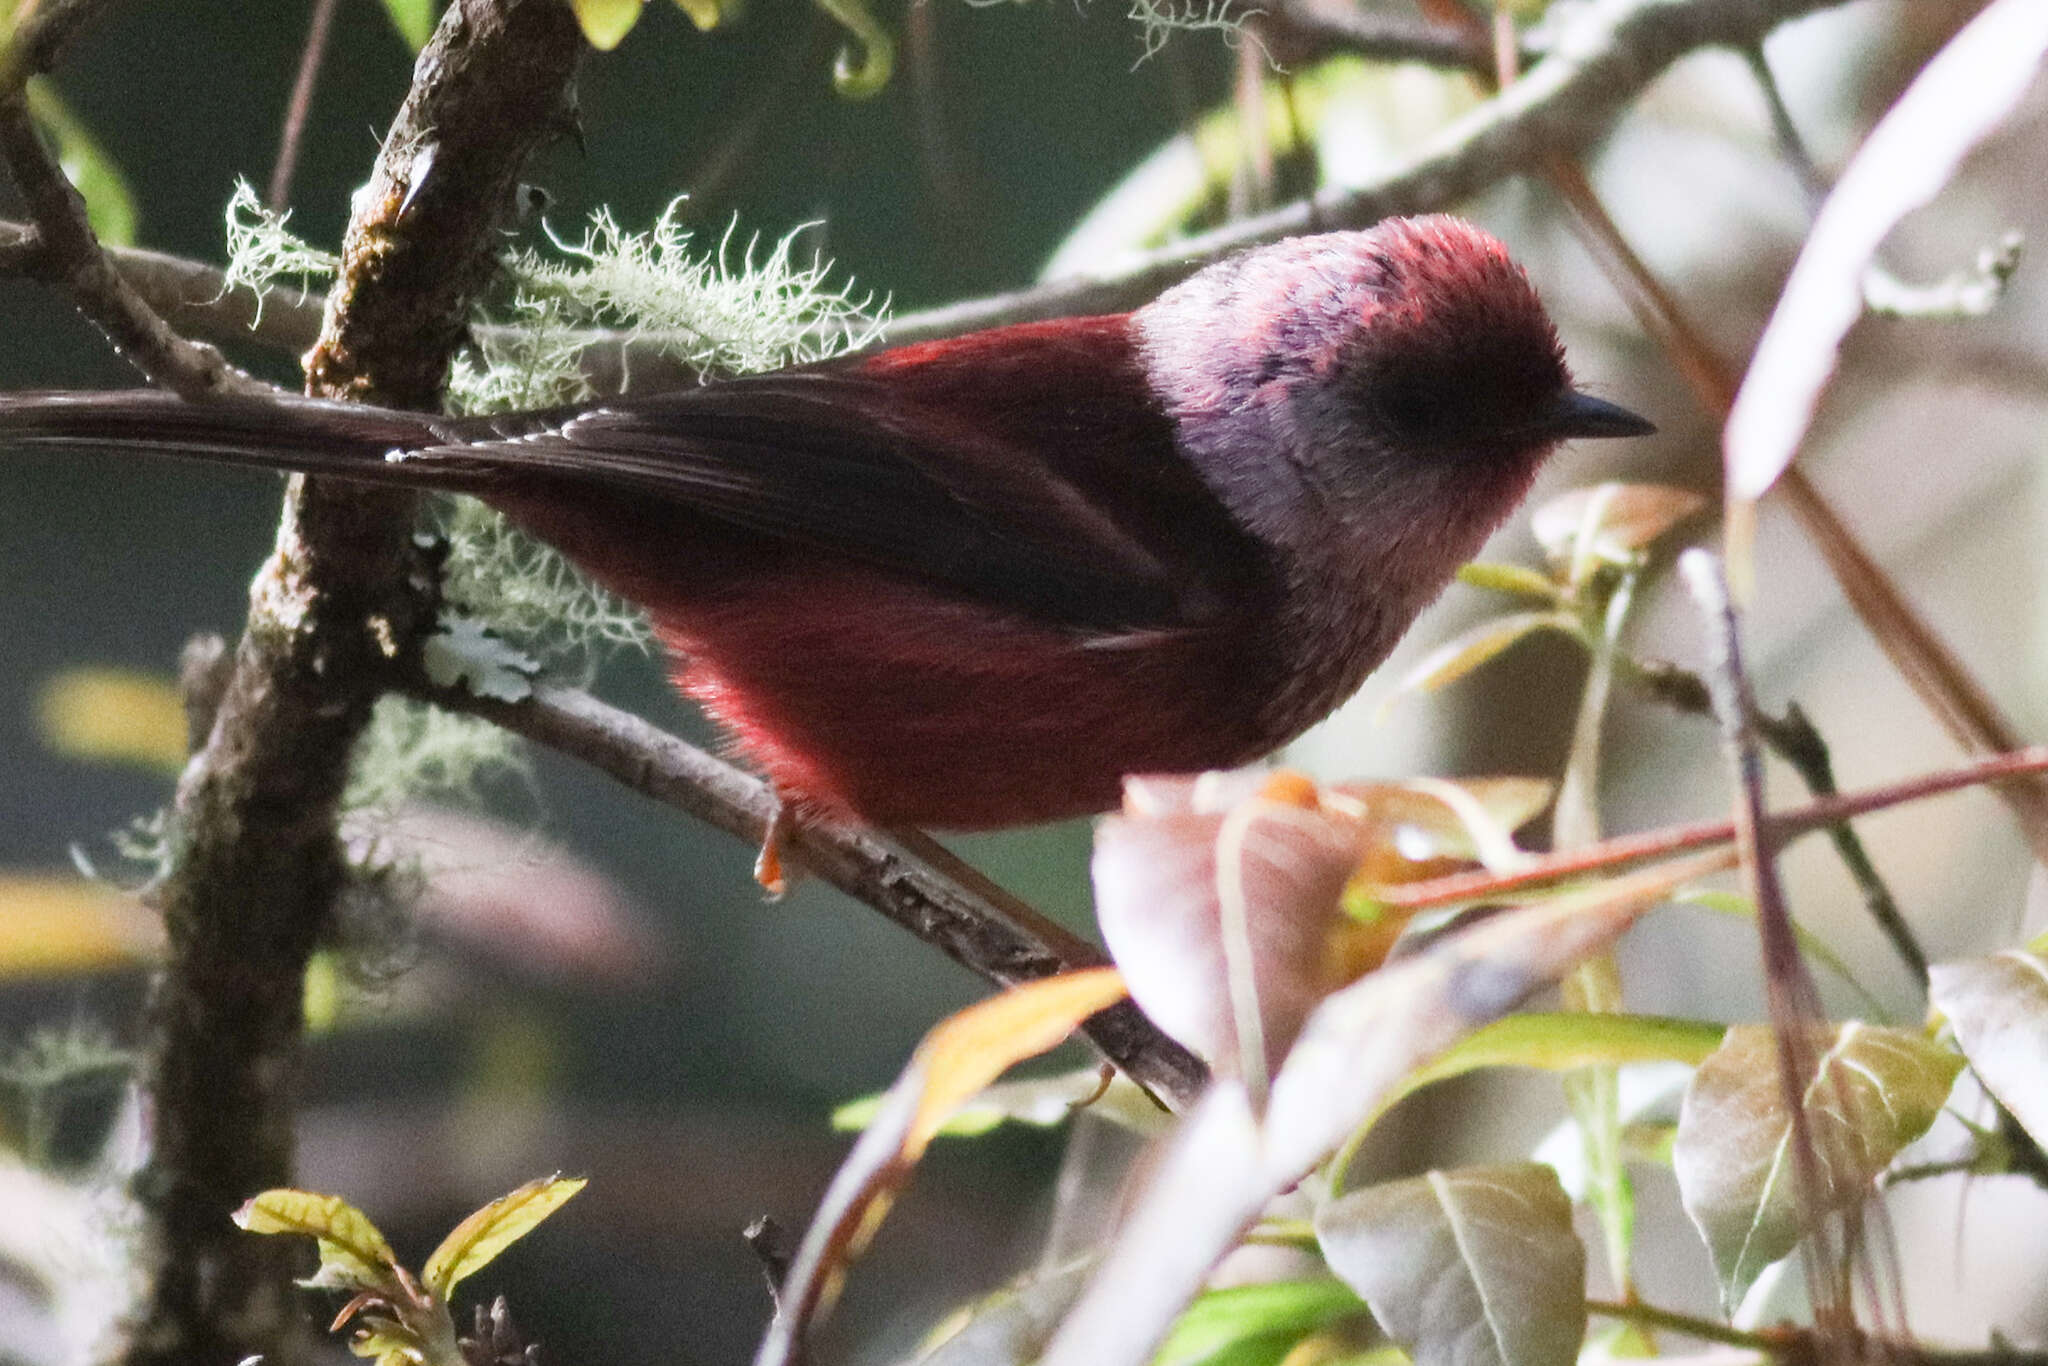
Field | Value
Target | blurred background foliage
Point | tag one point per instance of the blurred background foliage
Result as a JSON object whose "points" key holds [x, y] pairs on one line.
{"points": [[619, 1003]]}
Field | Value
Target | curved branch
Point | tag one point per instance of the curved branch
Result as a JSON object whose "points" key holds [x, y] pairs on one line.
{"points": [[917, 884]]}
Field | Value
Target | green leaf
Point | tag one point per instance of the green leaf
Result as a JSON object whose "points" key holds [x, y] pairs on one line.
{"points": [[108, 203], [353, 1254], [414, 20], [1469, 649], [471, 1244], [709, 14], [1512, 579], [1245, 1324], [1875, 1091], [1474, 1267], [1998, 1007], [606, 22], [1564, 1040], [862, 76]]}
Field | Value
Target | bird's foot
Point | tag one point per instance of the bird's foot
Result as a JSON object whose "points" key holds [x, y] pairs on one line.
{"points": [[768, 866]]}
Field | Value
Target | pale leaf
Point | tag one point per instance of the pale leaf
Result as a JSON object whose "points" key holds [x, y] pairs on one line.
{"points": [[1875, 1091], [1998, 1007], [1955, 101], [1475, 1267], [1632, 517], [1469, 649]]}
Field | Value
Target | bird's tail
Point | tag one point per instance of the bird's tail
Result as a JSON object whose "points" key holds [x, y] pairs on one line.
{"points": [[284, 432]]}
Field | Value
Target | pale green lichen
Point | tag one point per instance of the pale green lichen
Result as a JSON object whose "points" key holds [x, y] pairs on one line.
{"points": [[726, 310], [716, 311], [263, 254], [1159, 20], [722, 311], [412, 750]]}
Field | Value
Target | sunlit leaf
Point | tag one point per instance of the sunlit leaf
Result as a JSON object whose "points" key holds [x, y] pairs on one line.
{"points": [[108, 202], [1957, 99], [1564, 1040], [606, 22], [1232, 1326], [1513, 579], [1876, 1090], [1432, 825], [414, 20], [1469, 649], [1474, 1267], [1998, 1007], [1224, 1165], [960, 1056], [1630, 518], [471, 1244], [113, 714], [1229, 926], [353, 1254]]}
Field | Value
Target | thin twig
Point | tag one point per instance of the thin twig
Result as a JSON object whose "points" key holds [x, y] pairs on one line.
{"points": [[950, 906], [1566, 103], [1624, 850], [1945, 687], [1790, 1343], [300, 105], [66, 252], [1796, 740], [1296, 32], [1788, 986], [1785, 128]]}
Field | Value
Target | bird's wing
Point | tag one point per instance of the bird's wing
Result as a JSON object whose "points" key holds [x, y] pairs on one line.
{"points": [[832, 458]]}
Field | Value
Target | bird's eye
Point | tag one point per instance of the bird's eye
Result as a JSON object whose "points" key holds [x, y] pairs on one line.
{"points": [[1414, 401]]}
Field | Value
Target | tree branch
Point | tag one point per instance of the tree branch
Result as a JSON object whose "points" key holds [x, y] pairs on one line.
{"points": [[257, 865], [918, 884], [1568, 101]]}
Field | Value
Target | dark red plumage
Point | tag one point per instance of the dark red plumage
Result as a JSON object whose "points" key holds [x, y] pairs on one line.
{"points": [[973, 582]]}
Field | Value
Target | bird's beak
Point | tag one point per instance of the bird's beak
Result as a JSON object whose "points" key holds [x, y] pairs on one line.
{"points": [[1577, 414]]}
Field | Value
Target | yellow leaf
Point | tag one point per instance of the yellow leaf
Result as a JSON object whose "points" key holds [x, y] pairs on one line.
{"points": [[112, 714], [707, 14], [606, 22], [53, 924], [971, 1049], [1469, 649], [471, 1244], [353, 1254]]}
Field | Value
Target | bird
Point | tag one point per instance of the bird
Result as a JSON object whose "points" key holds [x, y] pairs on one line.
{"points": [[975, 582]]}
